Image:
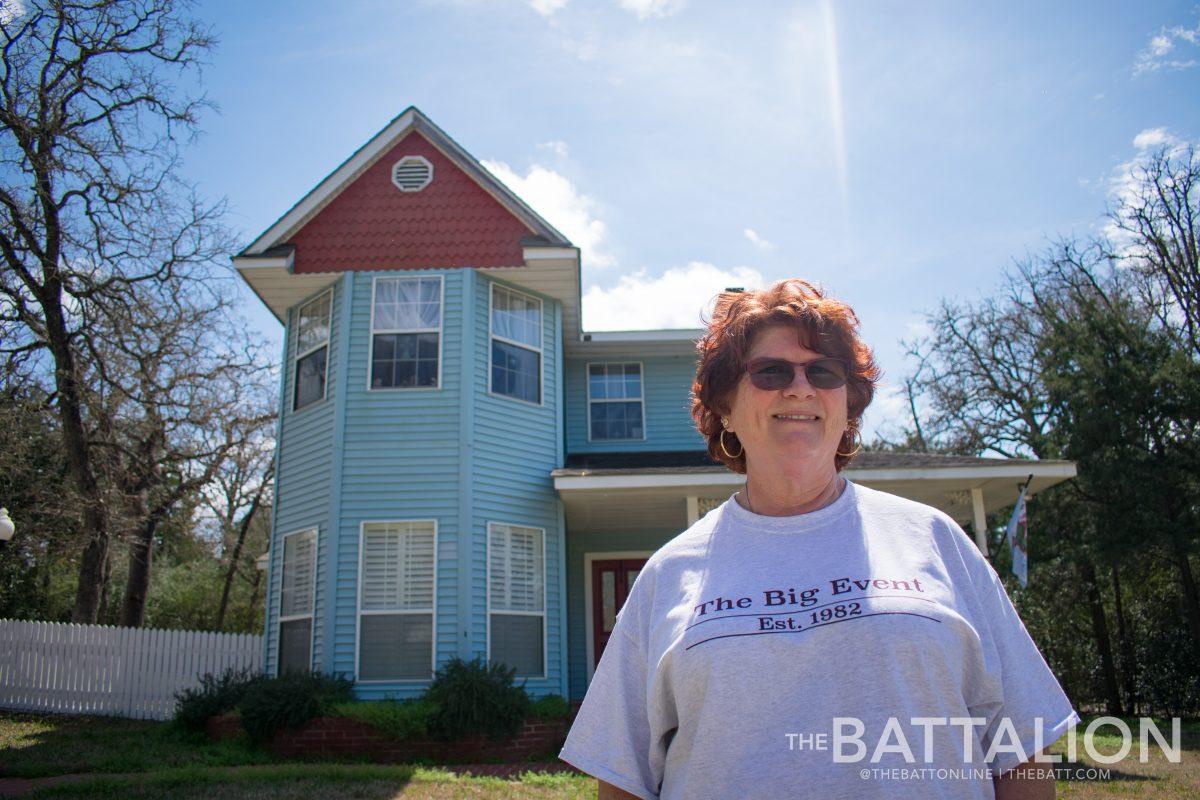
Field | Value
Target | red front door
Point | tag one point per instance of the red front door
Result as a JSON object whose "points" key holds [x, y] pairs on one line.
{"points": [[611, 582]]}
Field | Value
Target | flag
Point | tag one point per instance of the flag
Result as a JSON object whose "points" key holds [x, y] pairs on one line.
{"points": [[1018, 539]]}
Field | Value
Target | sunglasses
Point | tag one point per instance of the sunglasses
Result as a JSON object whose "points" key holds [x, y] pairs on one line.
{"points": [[772, 374]]}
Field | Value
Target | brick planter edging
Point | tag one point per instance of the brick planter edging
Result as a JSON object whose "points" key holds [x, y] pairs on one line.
{"points": [[338, 737]]}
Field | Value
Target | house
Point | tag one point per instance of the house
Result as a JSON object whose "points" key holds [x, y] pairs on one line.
{"points": [[461, 469]]}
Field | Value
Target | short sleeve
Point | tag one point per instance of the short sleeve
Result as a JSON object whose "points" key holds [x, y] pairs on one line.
{"points": [[611, 737], [1030, 696]]}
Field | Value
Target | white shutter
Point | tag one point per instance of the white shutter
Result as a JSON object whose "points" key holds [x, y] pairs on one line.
{"points": [[398, 562], [296, 596], [516, 568]]}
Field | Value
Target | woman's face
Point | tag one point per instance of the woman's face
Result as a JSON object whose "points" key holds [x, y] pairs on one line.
{"points": [[795, 424]]}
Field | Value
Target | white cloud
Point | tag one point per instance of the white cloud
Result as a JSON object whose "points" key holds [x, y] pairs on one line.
{"points": [[556, 199], [557, 147], [1152, 138], [758, 241], [547, 7], [676, 299], [1161, 54], [653, 8]]}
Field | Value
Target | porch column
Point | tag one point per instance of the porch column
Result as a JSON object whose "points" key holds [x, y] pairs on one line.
{"points": [[980, 520]]}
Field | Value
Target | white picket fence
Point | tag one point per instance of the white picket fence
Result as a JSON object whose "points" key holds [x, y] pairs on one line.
{"points": [[99, 669]]}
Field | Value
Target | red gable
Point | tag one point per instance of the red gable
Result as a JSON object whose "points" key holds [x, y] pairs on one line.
{"points": [[372, 225]]}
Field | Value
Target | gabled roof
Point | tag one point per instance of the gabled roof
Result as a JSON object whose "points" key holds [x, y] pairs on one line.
{"points": [[542, 233]]}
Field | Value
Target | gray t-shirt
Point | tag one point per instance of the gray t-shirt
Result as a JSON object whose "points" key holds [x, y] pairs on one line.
{"points": [[746, 637]]}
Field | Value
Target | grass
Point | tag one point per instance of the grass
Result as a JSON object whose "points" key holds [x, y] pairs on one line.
{"points": [[1157, 779], [34, 746], [177, 766], [303, 781]]}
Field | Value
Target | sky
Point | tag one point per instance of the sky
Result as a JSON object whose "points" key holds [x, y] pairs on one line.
{"points": [[896, 153]]}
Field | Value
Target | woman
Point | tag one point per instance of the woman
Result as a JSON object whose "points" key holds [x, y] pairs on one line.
{"points": [[811, 637]]}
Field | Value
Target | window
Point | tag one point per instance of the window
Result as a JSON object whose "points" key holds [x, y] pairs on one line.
{"points": [[615, 402], [312, 350], [406, 324], [396, 584], [516, 327], [517, 597], [296, 601]]}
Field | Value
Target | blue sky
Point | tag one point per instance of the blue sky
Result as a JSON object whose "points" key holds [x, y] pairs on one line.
{"points": [[894, 152]]}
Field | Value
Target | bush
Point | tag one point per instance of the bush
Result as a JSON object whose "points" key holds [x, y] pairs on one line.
{"points": [[290, 700], [397, 720], [552, 706], [215, 695], [474, 697]]}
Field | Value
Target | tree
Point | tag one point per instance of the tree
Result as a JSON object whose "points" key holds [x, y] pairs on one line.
{"points": [[94, 109], [1068, 361], [1155, 222]]}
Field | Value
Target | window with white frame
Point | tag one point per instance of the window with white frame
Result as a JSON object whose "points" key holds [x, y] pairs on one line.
{"points": [[396, 585], [615, 402], [406, 328], [517, 597], [296, 601], [312, 350], [516, 329]]}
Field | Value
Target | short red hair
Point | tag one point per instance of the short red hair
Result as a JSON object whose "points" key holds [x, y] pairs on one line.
{"points": [[823, 324]]}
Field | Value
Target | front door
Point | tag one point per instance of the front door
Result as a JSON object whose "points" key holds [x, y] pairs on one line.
{"points": [[611, 582]]}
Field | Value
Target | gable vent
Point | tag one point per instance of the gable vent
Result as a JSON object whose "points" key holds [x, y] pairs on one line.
{"points": [[412, 174]]}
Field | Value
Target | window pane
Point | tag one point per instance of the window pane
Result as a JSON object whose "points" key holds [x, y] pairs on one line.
{"points": [[404, 360], [296, 593], [515, 568], [617, 420], [295, 640], [395, 646], [407, 303], [516, 372], [310, 378], [397, 567], [597, 386], [517, 642], [517, 317], [312, 323]]}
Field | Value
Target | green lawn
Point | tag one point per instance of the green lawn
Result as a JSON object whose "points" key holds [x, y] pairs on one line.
{"points": [[172, 765]]}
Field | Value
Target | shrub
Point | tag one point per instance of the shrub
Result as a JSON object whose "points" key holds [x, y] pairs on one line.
{"points": [[476, 697], [215, 695], [398, 720], [290, 700], [552, 706]]}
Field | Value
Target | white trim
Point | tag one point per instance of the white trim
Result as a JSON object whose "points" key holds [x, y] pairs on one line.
{"points": [[589, 628], [298, 355], [540, 349], [487, 560], [440, 330], [312, 612], [550, 253], [693, 510], [241, 263], [1059, 469], [358, 610], [587, 377], [407, 158]]}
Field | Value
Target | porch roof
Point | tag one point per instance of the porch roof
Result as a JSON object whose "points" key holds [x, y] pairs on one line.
{"points": [[631, 491]]}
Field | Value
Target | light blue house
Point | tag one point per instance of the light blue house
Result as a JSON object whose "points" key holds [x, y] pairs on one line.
{"points": [[461, 470]]}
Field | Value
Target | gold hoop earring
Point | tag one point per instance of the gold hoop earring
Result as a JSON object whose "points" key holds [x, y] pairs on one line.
{"points": [[725, 450], [857, 447]]}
